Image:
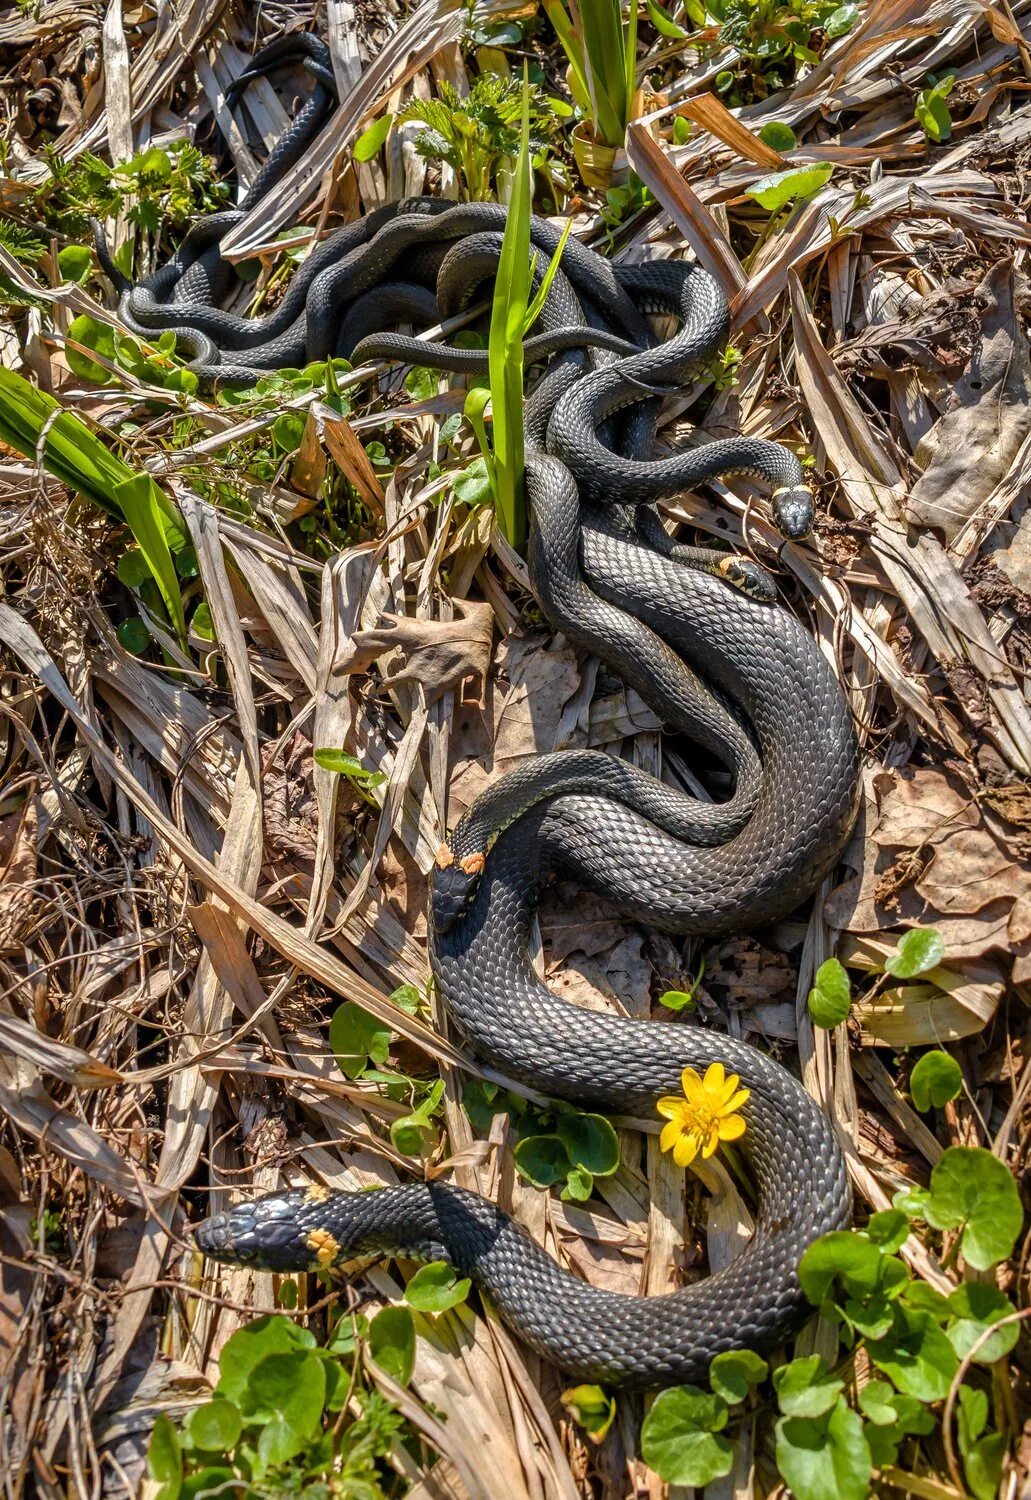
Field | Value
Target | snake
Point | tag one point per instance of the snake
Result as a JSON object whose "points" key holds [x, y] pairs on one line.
{"points": [[701, 635]]}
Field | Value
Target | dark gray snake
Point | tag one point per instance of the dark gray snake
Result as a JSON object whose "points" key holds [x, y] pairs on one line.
{"points": [[696, 632]]}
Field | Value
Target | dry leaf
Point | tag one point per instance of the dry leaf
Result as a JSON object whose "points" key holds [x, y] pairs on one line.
{"points": [[441, 654], [18, 898]]}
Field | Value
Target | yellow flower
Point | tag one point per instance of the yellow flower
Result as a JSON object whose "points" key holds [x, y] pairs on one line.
{"points": [[706, 1115]]}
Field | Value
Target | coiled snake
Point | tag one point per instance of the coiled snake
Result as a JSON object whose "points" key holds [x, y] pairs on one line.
{"points": [[695, 631]]}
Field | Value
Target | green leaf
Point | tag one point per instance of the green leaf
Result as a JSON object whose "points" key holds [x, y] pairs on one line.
{"points": [[916, 1357], [888, 1229], [435, 1287], [165, 1459], [215, 1427], [778, 136], [977, 1307], [287, 1393], [911, 1200], [932, 115], [971, 1416], [592, 1408], [827, 1458], [579, 1185], [677, 1000], [133, 635], [983, 1466], [392, 1343], [141, 503], [973, 1190], [132, 568], [288, 431], [252, 1343], [679, 1436], [841, 21], [853, 1260], [884, 1406], [681, 130], [358, 1039], [541, 1159], [203, 1484], [471, 485], [590, 1142], [369, 142], [201, 623], [780, 188], [95, 335], [663, 23], [421, 383], [342, 764], [831, 997], [874, 1317], [733, 1374], [935, 1080], [75, 262], [804, 1388], [916, 952], [407, 998]]}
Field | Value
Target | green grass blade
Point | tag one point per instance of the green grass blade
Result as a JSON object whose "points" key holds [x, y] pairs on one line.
{"points": [[140, 502], [534, 310], [601, 23]]}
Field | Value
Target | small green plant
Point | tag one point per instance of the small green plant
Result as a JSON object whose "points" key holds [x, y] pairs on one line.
{"points": [[840, 1430], [153, 364], [360, 777], [290, 1416], [918, 951], [557, 1144], [773, 39], [601, 50], [479, 136], [931, 111]]}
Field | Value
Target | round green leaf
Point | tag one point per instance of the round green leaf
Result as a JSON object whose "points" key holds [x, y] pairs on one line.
{"points": [[358, 1039], [840, 21], [831, 996], [435, 1288], [203, 1484], [778, 136], [916, 1357], [288, 431], [133, 569], [133, 635], [369, 142], [590, 1142], [216, 1426], [541, 1159], [579, 1184], [733, 1374], [972, 1188], [935, 1080], [827, 1458], [100, 337], [916, 952], [679, 1436], [780, 188], [74, 262], [983, 1466], [592, 1408], [877, 1400], [853, 1260], [165, 1459], [287, 1394], [201, 623], [392, 1342], [978, 1306], [253, 1343], [888, 1229], [804, 1388], [471, 485]]}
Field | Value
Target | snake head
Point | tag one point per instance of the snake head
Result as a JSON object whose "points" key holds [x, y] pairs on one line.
{"points": [[793, 510], [284, 1232], [744, 574], [455, 883]]}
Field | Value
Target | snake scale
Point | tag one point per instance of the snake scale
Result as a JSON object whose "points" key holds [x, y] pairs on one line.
{"points": [[700, 636]]}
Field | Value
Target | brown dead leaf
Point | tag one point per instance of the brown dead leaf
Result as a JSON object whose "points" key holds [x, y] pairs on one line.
{"points": [[931, 858], [18, 898], [441, 654], [970, 450]]}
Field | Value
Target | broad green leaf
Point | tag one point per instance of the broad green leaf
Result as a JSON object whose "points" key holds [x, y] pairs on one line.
{"points": [[855, 1261], [133, 635], [251, 1344], [165, 1459], [888, 1229], [592, 1408], [472, 485], [805, 1388], [916, 1357], [590, 1142], [541, 1159], [827, 1458], [911, 1200], [982, 1466], [884, 1406], [579, 1185], [874, 1317], [204, 1484], [392, 1342], [287, 1394], [95, 335], [734, 1373], [680, 1436], [435, 1287], [916, 952], [141, 502], [132, 568], [201, 623], [973, 1190], [935, 1080], [358, 1039], [369, 142], [681, 130], [971, 1416], [75, 262], [831, 996], [215, 1427], [778, 136], [342, 764], [977, 1307], [407, 998], [841, 21], [932, 115], [288, 431], [780, 188], [677, 1000]]}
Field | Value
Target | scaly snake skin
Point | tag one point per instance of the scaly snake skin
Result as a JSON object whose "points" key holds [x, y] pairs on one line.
{"points": [[696, 633]]}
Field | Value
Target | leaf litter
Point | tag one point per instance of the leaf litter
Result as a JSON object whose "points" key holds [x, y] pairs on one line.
{"points": [[186, 895]]}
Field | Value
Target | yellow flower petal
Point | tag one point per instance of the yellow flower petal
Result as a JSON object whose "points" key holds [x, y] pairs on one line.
{"points": [[726, 1089], [670, 1135], [732, 1129], [671, 1107], [714, 1077], [692, 1085], [711, 1142], [686, 1149], [735, 1102]]}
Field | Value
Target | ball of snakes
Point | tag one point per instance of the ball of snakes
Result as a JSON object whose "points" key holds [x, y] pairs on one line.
{"points": [[699, 634]]}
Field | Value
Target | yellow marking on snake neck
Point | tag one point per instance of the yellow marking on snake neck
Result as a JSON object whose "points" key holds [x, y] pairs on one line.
{"points": [[444, 857], [789, 489], [317, 1193], [326, 1248], [473, 864]]}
